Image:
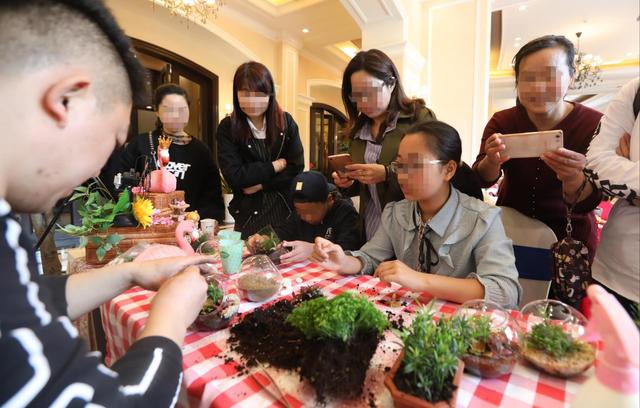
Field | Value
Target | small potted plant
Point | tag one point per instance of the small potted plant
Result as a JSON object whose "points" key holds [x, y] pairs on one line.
{"points": [[219, 308], [493, 341], [428, 371], [267, 242], [551, 339]]}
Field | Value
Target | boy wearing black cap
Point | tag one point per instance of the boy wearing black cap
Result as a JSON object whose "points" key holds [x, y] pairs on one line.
{"points": [[318, 214]]}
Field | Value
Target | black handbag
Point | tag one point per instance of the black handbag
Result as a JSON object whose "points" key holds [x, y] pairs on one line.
{"points": [[571, 268]]}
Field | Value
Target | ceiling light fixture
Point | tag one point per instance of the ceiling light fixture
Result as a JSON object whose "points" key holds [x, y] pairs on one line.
{"points": [[193, 9], [587, 68], [305, 30]]}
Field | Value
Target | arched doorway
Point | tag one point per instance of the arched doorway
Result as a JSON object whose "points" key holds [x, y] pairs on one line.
{"points": [[327, 136]]}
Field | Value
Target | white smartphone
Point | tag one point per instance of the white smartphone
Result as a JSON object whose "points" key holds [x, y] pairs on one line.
{"points": [[531, 144], [339, 161]]}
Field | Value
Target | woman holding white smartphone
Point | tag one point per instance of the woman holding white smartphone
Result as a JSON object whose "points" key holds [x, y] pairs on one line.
{"points": [[540, 187]]}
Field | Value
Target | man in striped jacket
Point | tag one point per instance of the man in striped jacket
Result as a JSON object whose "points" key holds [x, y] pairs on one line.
{"points": [[68, 79]]}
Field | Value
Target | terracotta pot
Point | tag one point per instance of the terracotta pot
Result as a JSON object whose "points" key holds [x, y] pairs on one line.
{"points": [[404, 400]]}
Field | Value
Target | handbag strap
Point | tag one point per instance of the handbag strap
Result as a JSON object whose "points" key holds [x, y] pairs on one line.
{"points": [[571, 206]]}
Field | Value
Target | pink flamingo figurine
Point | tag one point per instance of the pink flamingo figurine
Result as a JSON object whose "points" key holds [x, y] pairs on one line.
{"points": [[159, 251], [162, 181]]}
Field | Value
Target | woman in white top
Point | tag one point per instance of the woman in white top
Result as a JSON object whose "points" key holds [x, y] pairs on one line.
{"points": [[613, 162]]}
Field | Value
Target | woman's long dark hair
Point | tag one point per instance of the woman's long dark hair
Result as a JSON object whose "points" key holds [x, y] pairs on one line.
{"points": [[164, 90], [378, 64], [254, 77]]}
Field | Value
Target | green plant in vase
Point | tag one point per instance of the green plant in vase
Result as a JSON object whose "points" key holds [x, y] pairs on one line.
{"points": [[492, 351], [98, 211], [551, 349]]}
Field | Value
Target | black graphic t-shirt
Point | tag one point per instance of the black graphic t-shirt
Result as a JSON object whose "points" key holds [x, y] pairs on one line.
{"points": [[192, 164]]}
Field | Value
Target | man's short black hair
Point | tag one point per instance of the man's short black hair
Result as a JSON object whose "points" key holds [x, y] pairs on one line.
{"points": [[37, 33]]}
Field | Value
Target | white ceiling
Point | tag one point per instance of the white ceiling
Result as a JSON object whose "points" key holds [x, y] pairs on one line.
{"points": [[609, 28], [327, 21]]}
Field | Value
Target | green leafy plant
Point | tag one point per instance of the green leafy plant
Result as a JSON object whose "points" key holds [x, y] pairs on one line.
{"points": [[201, 240], [551, 339], [338, 318], [479, 334], [214, 298], [98, 210], [431, 354]]}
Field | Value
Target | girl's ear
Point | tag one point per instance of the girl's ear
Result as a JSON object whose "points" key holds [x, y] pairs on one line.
{"points": [[450, 170]]}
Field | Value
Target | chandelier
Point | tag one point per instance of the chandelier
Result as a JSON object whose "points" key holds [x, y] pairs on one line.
{"points": [[193, 9], [587, 69]]}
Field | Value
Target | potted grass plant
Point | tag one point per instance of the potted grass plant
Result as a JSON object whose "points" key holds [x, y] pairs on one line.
{"points": [[342, 335], [428, 371]]}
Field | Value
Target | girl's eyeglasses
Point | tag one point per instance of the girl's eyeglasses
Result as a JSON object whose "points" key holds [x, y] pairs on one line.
{"points": [[398, 167]]}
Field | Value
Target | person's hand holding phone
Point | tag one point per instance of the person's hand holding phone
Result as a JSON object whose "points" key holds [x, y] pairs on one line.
{"points": [[567, 164], [493, 148], [341, 182], [366, 173]]}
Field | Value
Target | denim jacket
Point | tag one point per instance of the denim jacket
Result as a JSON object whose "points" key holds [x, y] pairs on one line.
{"points": [[466, 233]]}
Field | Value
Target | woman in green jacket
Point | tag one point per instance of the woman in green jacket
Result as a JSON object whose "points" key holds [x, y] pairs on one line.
{"points": [[379, 114]]}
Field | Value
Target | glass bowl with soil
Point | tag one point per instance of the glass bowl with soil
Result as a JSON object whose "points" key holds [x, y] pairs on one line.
{"points": [[494, 343], [219, 308], [260, 279], [550, 338], [267, 242]]}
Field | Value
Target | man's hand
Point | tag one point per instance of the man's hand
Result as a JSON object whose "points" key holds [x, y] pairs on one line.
{"points": [[152, 274], [176, 305], [300, 251]]}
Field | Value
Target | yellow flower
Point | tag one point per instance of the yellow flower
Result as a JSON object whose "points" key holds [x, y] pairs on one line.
{"points": [[142, 211]]}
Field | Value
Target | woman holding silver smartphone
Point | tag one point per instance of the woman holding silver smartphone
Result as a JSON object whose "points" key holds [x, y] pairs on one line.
{"points": [[541, 187]]}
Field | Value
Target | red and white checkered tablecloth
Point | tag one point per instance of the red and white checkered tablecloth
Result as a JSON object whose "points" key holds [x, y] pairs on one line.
{"points": [[209, 381]]}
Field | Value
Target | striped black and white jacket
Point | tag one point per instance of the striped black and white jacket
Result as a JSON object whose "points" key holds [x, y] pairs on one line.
{"points": [[43, 362]]}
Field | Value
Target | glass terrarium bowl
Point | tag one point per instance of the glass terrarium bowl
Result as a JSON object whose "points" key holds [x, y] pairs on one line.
{"points": [[267, 242], [260, 279], [557, 318], [209, 247], [495, 349], [572, 321], [219, 308]]}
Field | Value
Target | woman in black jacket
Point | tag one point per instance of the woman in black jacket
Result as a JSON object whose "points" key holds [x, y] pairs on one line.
{"points": [[259, 151], [191, 160]]}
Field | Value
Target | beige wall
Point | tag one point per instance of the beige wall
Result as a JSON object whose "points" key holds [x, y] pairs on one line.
{"points": [[221, 46]]}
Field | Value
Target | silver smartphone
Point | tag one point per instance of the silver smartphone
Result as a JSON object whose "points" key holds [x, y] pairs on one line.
{"points": [[531, 144]]}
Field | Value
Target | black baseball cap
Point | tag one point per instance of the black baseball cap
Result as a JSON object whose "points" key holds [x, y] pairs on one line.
{"points": [[310, 187]]}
